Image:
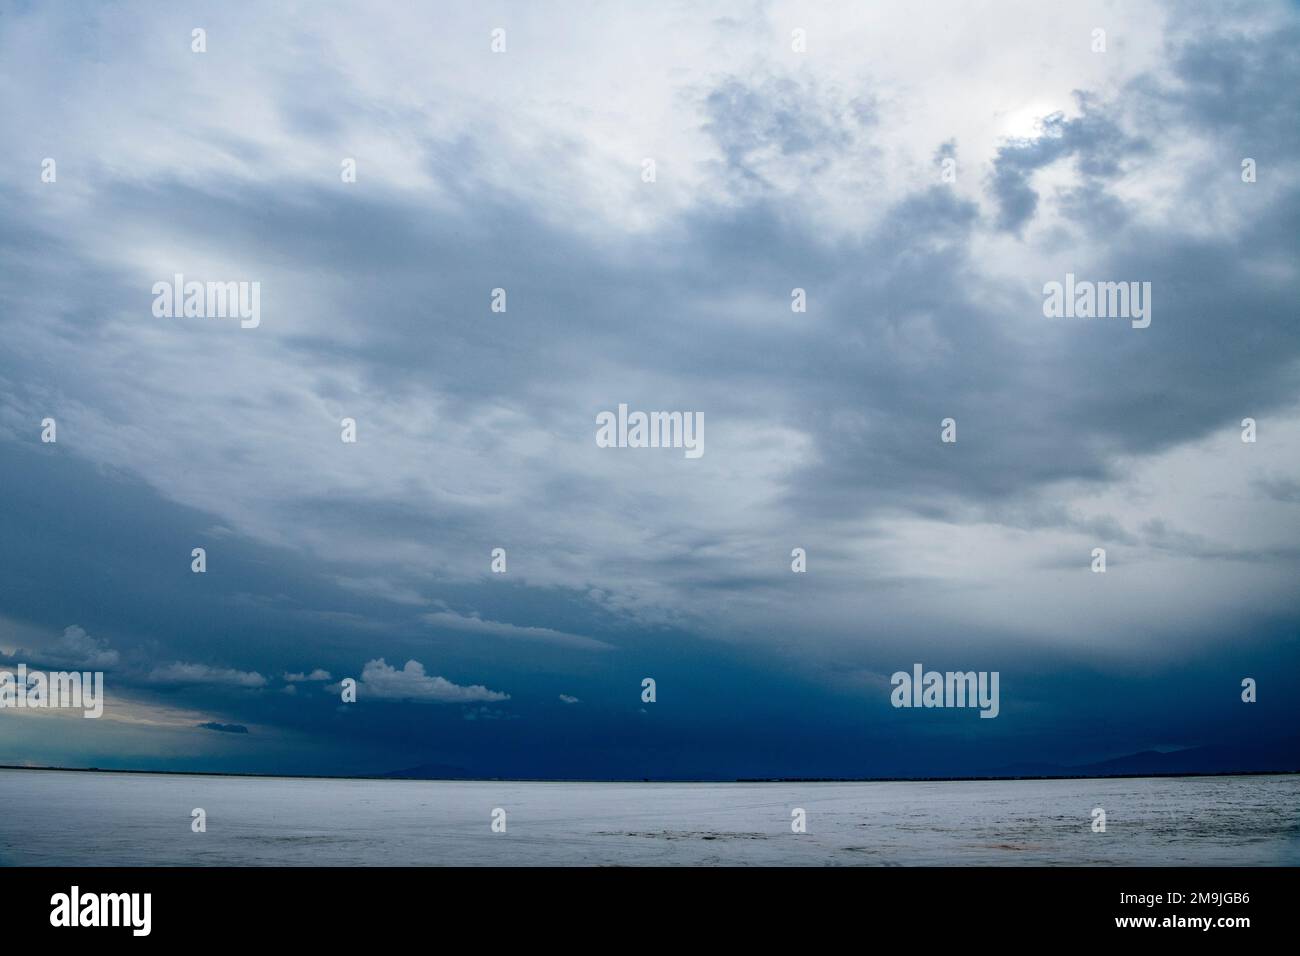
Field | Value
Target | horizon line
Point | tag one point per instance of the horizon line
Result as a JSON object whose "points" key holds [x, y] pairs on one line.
{"points": [[392, 777]]}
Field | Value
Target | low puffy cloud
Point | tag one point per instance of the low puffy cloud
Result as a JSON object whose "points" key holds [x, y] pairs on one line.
{"points": [[317, 675], [179, 673], [78, 647], [381, 681], [569, 699], [75, 648]]}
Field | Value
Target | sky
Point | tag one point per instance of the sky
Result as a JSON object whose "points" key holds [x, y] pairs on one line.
{"points": [[920, 173]]}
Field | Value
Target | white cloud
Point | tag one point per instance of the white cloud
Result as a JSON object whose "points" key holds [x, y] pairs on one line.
{"points": [[383, 682]]}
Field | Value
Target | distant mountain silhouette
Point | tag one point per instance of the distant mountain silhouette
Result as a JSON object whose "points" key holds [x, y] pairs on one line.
{"points": [[429, 771], [1217, 758], [1273, 757]]}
